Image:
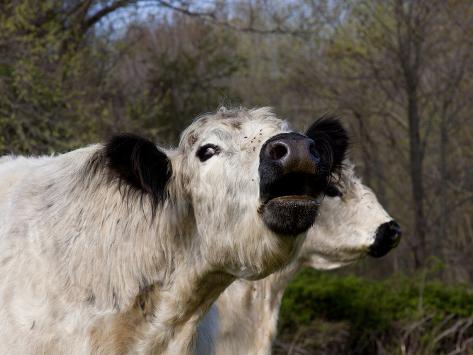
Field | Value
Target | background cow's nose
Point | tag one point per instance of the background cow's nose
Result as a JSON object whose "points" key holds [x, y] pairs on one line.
{"points": [[387, 237], [293, 152]]}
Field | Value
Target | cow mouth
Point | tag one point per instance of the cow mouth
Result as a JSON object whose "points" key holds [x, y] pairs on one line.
{"points": [[290, 203]]}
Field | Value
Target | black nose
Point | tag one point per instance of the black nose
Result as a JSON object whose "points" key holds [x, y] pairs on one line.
{"points": [[293, 152], [387, 237]]}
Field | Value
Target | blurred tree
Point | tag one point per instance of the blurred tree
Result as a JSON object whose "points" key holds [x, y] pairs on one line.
{"points": [[401, 70], [45, 82], [175, 69], [63, 82]]}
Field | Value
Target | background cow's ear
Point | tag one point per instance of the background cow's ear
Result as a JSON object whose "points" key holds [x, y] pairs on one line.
{"points": [[329, 131], [139, 163]]}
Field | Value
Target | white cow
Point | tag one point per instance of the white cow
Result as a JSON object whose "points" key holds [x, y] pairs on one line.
{"points": [[351, 225], [121, 248]]}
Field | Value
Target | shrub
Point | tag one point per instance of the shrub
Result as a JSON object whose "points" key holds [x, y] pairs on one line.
{"points": [[378, 313]]}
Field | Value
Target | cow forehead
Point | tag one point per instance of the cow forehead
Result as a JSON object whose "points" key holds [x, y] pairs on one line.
{"points": [[352, 186], [348, 182], [232, 124]]}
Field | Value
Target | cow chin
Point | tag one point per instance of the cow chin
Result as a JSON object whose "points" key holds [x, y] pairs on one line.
{"points": [[290, 215]]}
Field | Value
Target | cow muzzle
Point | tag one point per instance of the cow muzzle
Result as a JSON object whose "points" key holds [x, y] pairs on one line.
{"points": [[292, 178], [388, 236]]}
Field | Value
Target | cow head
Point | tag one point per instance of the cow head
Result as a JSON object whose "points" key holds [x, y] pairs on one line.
{"points": [[351, 225], [244, 185]]}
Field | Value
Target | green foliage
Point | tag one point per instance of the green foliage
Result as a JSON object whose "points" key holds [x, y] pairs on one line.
{"points": [[41, 80], [186, 67], [63, 85], [372, 309]]}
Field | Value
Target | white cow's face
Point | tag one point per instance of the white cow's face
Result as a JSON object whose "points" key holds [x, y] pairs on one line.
{"points": [[241, 186], [254, 188], [351, 224]]}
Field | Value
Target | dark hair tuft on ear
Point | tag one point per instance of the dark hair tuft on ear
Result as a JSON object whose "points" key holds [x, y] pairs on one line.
{"points": [[139, 164], [329, 135]]}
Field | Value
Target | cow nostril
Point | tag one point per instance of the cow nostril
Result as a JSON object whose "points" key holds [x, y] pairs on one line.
{"points": [[277, 151], [292, 153]]}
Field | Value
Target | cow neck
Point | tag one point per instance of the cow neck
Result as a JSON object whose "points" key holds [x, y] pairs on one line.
{"points": [[179, 305], [257, 303]]}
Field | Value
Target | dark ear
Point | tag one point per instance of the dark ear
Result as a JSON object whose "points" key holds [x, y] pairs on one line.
{"points": [[329, 135], [139, 163]]}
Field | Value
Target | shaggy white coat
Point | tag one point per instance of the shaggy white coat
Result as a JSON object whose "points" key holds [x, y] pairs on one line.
{"points": [[85, 269]]}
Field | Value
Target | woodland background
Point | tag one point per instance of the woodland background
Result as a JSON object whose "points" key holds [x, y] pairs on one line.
{"points": [[399, 73]]}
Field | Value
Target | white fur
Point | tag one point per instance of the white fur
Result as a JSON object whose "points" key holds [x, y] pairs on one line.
{"points": [[84, 270], [343, 231]]}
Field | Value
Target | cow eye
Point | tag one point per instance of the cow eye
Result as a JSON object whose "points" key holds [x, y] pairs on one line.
{"points": [[333, 191], [207, 151]]}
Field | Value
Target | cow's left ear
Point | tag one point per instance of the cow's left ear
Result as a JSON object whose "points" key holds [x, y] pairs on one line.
{"points": [[139, 163], [328, 132]]}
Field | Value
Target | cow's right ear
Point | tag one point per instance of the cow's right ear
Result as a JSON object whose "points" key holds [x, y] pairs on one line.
{"points": [[139, 163]]}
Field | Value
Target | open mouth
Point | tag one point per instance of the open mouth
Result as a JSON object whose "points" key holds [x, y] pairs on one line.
{"points": [[301, 187], [290, 203]]}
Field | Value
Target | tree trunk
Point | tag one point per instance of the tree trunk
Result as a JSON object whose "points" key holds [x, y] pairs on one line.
{"points": [[442, 233], [410, 41], [416, 172]]}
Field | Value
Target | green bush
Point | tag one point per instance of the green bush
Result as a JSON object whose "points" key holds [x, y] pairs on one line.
{"points": [[373, 309]]}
